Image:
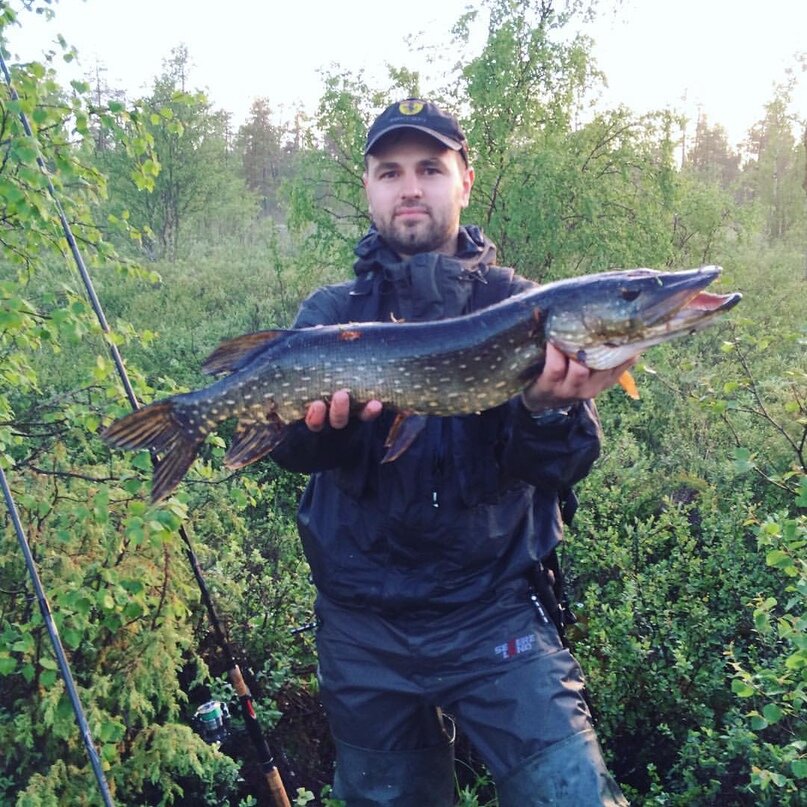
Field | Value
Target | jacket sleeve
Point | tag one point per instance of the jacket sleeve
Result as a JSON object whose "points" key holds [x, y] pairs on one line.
{"points": [[307, 452], [553, 456], [327, 305], [301, 449]]}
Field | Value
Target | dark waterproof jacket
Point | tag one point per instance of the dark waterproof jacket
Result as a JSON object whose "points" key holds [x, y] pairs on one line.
{"points": [[474, 502]]}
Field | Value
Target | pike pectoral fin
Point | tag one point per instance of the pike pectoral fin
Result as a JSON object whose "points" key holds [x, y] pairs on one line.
{"points": [[253, 440], [627, 382], [405, 428], [233, 354]]}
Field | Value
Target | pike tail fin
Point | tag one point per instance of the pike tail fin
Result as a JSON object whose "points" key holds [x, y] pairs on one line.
{"points": [[158, 428]]}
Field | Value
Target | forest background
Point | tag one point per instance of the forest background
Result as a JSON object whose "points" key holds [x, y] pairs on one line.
{"points": [[686, 559]]}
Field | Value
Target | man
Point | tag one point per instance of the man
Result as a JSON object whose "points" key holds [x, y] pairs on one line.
{"points": [[424, 566]]}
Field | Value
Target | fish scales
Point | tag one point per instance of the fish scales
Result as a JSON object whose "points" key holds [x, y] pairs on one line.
{"points": [[380, 361], [448, 367]]}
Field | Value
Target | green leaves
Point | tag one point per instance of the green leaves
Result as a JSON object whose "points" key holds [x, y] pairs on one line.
{"points": [[742, 689], [801, 500], [776, 682], [799, 767]]}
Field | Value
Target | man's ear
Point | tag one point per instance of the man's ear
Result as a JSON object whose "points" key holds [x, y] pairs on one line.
{"points": [[467, 185], [364, 183]]}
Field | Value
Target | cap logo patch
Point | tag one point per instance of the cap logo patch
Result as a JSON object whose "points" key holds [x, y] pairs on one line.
{"points": [[410, 107]]}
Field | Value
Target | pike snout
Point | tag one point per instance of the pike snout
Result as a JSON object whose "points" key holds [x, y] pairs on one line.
{"points": [[625, 312]]}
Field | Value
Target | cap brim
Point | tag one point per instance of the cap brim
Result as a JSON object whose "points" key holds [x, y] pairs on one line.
{"points": [[445, 140]]}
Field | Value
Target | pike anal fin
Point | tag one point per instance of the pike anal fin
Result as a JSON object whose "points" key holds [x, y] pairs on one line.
{"points": [[254, 440], [405, 428]]}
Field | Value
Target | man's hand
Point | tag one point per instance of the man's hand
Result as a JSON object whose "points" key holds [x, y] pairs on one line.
{"points": [[338, 413], [565, 381]]}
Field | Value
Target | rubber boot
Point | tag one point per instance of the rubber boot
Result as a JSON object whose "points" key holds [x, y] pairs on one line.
{"points": [[570, 773], [421, 778]]}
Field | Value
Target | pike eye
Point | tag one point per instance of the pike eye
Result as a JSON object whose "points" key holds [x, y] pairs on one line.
{"points": [[629, 294]]}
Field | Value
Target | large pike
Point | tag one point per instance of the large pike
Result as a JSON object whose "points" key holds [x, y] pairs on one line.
{"points": [[448, 367]]}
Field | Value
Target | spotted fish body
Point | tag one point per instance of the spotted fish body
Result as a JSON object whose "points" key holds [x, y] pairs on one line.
{"points": [[449, 367]]}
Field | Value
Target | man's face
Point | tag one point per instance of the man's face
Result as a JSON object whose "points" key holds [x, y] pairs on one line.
{"points": [[416, 188]]}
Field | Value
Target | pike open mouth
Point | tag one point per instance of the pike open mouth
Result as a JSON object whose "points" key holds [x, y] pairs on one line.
{"points": [[709, 302], [683, 312], [684, 303], [700, 310]]}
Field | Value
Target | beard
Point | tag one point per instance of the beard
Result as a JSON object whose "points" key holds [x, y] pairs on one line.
{"points": [[429, 234]]}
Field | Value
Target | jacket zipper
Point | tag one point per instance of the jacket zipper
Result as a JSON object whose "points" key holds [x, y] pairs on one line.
{"points": [[437, 462]]}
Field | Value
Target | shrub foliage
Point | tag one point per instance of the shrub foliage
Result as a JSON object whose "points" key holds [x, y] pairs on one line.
{"points": [[685, 562]]}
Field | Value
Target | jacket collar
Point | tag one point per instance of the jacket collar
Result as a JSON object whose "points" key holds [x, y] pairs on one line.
{"points": [[427, 285], [473, 248]]}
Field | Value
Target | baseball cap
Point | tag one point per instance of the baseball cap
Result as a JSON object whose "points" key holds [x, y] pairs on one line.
{"points": [[425, 116]]}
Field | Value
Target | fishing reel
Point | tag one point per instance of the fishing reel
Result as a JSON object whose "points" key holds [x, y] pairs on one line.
{"points": [[212, 721]]}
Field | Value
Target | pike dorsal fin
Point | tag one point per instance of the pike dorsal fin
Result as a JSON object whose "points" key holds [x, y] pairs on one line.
{"points": [[234, 354]]}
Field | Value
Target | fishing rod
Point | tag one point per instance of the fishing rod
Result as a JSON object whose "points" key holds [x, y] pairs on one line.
{"points": [[265, 757], [58, 649]]}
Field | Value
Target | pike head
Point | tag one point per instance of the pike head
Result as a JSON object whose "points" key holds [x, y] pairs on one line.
{"points": [[605, 319]]}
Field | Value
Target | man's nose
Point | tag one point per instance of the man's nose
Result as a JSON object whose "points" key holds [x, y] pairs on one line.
{"points": [[411, 187]]}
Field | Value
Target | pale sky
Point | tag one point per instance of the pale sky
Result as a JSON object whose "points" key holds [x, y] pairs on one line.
{"points": [[723, 56]]}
